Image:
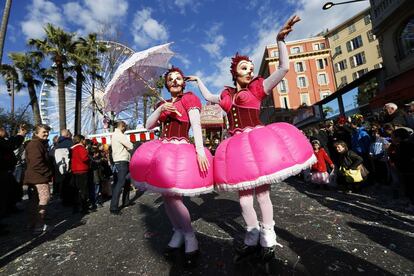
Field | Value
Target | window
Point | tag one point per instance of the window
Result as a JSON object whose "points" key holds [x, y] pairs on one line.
{"points": [[335, 36], [367, 19], [295, 50], [284, 102], [379, 51], [299, 66], [377, 66], [354, 43], [301, 82], [274, 53], [318, 46], [344, 81], [357, 60], [304, 99], [351, 28], [338, 50], [325, 94], [406, 39], [340, 66], [371, 37], [282, 86], [359, 73], [321, 63], [322, 79]]}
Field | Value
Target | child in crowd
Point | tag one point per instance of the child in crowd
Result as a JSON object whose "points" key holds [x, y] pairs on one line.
{"points": [[320, 175]]}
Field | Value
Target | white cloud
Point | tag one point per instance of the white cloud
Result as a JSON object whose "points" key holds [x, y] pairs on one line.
{"points": [[96, 15], [41, 12], [182, 4], [147, 30], [315, 20], [219, 78], [216, 41], [184, 60]]}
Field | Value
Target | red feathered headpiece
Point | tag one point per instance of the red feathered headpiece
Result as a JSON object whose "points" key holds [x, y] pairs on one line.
{"points": [[234, 61], [173, 69]]}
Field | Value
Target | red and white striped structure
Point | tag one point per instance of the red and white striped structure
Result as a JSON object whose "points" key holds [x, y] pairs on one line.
{"points": [[135, 135]]}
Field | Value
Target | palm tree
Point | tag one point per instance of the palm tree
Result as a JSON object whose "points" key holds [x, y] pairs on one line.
{"points": [[11, 78], [85, 60], [32, 73], [3, 28], [57, 44]]}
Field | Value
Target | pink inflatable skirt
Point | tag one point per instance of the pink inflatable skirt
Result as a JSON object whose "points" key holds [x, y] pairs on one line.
{"points": [[262, 155], [171, 168]]}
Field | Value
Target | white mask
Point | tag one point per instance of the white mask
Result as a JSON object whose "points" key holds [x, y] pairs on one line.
{"points": [[174, 81], [245, 68]]}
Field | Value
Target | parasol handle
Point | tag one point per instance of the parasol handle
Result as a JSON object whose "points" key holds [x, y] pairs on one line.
{"points": [[154, 91]]}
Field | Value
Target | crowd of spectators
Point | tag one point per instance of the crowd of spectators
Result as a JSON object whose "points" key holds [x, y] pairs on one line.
{"points": [[74, 170], [380, 148]]}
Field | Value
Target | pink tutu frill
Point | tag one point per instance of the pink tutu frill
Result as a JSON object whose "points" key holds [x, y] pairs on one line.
{"points": [[263, 155], [171, 168], [320, 178]]}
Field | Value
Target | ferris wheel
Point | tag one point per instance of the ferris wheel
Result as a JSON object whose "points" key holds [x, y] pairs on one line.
{"points": [[93, 117]]}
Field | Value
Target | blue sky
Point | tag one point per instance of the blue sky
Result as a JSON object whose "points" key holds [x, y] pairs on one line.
{"points": [[205, 33]]}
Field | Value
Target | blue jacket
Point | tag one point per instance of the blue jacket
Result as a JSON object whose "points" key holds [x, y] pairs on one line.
{"points": [[360, 141]]}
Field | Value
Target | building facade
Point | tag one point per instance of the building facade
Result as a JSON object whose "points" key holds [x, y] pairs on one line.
{"points": [[355, 48], [310, 77], [393, 24]]}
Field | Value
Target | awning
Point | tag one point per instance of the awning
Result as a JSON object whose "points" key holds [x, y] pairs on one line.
{"points": [[399, 90]]}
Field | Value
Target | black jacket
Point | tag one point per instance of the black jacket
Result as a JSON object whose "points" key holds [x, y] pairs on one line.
{"points": [[350, 160]]}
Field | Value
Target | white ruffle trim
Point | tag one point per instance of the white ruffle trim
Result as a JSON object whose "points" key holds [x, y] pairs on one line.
{"points": [[268, 179], [174, 191]]}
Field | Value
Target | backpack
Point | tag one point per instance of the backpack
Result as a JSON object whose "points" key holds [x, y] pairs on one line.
{"points": [[62, 159]]}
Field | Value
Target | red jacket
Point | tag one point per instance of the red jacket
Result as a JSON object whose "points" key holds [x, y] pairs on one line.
{"points": [[322, 158], [79, 160]]}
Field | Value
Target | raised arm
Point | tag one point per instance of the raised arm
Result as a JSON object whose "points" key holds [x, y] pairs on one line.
{"points": [[195, 121], [270, 82], [213, 98]]}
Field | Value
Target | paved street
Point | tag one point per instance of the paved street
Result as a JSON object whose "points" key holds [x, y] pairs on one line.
{"points": [[322, 232]]}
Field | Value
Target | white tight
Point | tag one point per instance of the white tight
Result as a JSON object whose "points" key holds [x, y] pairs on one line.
{"points": [[263, 198]]}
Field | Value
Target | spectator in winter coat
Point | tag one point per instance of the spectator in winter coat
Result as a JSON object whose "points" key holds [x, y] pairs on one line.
{"points": [[378, 154], [62, 168], [80, 167], [37, 176], [347, 160], [404, 161], [9, 192], [410, 115], [395, 116]]}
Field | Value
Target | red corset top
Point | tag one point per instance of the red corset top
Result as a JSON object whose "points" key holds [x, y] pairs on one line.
{"points": [[175, 129], [240, 118]]}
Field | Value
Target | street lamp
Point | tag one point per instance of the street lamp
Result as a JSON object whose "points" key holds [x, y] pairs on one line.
{"points": [[329, 5]]}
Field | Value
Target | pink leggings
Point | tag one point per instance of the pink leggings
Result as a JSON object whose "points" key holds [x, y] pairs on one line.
{"points": [[178, 213], [37, 209], [246, 198]]}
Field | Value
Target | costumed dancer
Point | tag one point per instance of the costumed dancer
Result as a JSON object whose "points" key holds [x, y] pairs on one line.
{"points": [[256, 155], [171, 165]]}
